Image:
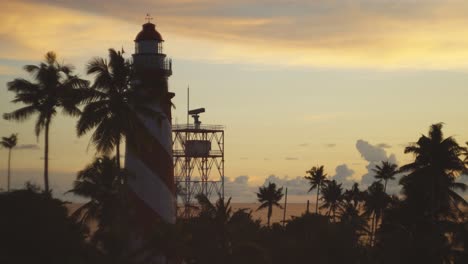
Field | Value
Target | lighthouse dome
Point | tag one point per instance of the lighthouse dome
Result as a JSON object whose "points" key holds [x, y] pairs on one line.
{"points": [[149, 32]]}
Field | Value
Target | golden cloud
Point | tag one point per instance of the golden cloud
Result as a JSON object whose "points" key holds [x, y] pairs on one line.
{"points": [[378, 34], [30, 30]]}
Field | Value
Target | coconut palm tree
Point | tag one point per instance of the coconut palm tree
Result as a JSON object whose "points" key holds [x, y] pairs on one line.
{"points": [[100, 183], [317, 179], [9, 143], [354, 196], [385, 172], [349, 215], [269, 196], [221, 211], [54, 88], [113, 105], [375, 201], [332, 196], [108, 205], [430, 185]]}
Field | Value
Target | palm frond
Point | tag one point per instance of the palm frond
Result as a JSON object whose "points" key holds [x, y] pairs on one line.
{"points": [[22, 86], [106, 136], [21, 114], [91, 116]]}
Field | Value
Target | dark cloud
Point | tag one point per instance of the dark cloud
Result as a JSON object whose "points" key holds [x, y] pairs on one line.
{"points": [[323, 26], [296, 186], [304, 145], [239, 189], [374, 155], [343, 175], [384, 145], [291, 158], [330, 145], [28, 146]]}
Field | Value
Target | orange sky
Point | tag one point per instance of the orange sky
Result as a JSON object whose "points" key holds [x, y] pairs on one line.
{"points": [[295, 83]]}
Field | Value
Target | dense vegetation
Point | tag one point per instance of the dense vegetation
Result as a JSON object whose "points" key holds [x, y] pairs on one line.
{"points": [[426, 223]]}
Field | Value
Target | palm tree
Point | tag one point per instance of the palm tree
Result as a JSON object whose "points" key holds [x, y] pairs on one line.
{"points": [[317, 179], [54, 87], [113, 105], [220, 212], [332, 195], [350, 216], [100, 183], [354, 196], [430, 185], [108, 205], [9, 143], [269, 196], [385, 172], [375, 201]]}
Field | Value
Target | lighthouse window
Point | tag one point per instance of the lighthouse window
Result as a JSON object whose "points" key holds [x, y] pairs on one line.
{"points": [[160, 49]]}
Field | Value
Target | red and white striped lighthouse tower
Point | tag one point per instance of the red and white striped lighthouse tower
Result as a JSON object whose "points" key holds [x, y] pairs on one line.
{"points": [[150, 163]]}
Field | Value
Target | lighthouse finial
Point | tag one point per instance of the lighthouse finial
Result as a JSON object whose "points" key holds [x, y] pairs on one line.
{"points": [[148, 18]]}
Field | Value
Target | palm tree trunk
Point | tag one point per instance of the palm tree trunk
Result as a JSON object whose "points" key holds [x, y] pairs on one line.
{"points": [[9, 170], [122, 178], [316, 201], [269, 214], [46, 157], [385, 186], [117, 153], [372, 230]]}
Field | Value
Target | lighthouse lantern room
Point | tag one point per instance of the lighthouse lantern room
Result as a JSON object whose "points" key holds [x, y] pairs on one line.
{"points": [[149, 51]]}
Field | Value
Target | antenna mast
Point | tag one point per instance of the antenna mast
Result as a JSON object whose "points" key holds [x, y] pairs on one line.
{"points": [[188, 103]]}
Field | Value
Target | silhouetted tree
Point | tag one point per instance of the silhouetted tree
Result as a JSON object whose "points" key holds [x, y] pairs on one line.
{"points": [[55, 87], [350, 215], [113, 105], [376, 200], [407, 236], [332, 195], [317, 179], [430, 185], [354, 196], [217, 231], [100, 182], [312, 238], [220, 211], [170, 241], [269, 196], [108, 207], [35, 228], [9, 143], [385, 172], [350, 211]]}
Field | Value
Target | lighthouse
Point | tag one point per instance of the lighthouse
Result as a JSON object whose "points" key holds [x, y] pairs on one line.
{"points": [[149, 163]]}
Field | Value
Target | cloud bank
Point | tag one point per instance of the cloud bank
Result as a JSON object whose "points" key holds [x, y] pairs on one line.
{"points": [[361, 33], [374, 155]]}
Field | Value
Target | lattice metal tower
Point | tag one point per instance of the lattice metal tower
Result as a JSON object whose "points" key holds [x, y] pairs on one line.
{"points": [[198, 152]]}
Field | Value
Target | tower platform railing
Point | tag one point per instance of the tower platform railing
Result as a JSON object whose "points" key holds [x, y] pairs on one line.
{"points": [[211, 153], [193, 127]]}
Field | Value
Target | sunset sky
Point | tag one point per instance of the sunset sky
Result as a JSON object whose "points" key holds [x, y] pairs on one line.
{"points": [[297, 83]]}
